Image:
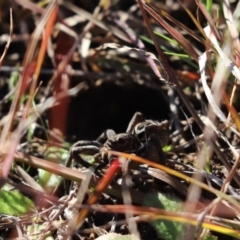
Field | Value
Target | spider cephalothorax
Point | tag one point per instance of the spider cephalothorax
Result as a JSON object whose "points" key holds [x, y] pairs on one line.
{"points": [[123, 142]]}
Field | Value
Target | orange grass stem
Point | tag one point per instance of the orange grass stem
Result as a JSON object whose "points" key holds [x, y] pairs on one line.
{"points": [[101, 186]]}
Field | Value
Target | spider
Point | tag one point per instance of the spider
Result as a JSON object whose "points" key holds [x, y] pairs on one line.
{"points": [[143, 137]]}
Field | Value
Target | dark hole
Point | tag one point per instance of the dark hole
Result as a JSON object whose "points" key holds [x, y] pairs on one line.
{"points": [[110, 106]]}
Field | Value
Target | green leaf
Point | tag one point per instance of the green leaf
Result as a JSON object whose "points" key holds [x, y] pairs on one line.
{"points": [[210, 237], [167, 230], [167, 148], [48, 181], [14, 203], [56, 154], [36, 231]]}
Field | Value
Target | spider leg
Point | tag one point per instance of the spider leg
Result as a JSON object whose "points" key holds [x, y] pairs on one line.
{"points": [[102, 164], [154, 150], [160, 131], [137, 118], [106, 135], [86, 143], [157, 136], [83, 147]]}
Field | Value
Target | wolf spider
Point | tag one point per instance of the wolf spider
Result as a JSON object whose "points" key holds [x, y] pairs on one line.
{"points": [[143, 137]]}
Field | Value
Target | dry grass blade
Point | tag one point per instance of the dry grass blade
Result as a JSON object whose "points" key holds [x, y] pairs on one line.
{"points": [[210, 21], [172, 77], [174, 80], [208, 93], [154, 214], [73, 175], [173, 32], [51, 16], [233, 112], [30, 5], [200, 29], [181, 25], [220, 72], [28, 179], [88, 68], [177, 174], [232, 25], [61, 84], [148, 55], [97, 22], [168, 179], [9, 39], [28, 74], [227, 62], [100, 187], [35, 53], [214, 97]]}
